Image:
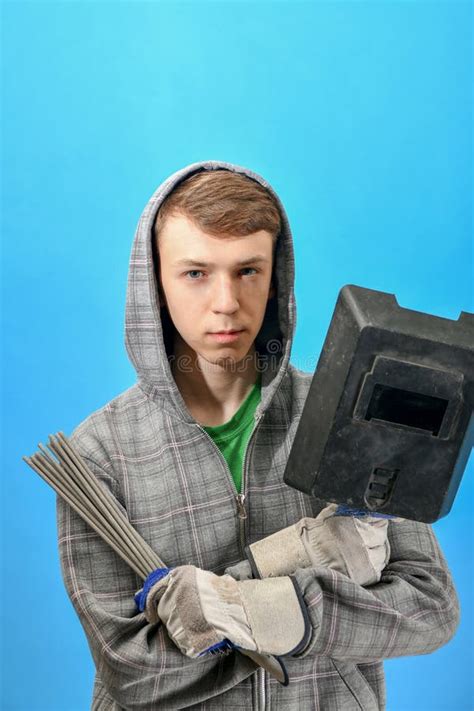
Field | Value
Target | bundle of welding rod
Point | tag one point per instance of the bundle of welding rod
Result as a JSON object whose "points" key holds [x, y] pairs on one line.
{"points": [[71, 478]]}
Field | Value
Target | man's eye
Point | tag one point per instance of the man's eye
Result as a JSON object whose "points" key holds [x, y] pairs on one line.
{"points": [[193, 274]]}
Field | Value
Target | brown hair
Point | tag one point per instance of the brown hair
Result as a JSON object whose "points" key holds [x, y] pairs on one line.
{"points": [[222, 203]]}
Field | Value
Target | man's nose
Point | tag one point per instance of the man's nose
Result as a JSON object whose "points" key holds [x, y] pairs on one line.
{"points": [[225, 296]]}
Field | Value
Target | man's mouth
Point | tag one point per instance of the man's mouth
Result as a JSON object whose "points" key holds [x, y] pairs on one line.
{"points": [[226, 336], [233, 330]]}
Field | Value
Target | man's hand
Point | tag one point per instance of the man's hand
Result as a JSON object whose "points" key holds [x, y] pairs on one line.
{"points": [[353, 545], [204, 612]]}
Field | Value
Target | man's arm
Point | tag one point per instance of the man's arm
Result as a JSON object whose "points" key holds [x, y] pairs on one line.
{"points": [[414, 609], [138, 664]]}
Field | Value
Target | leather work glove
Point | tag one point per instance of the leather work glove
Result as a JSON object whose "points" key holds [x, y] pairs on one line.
{"points": [[356, 545], [207, 613]]}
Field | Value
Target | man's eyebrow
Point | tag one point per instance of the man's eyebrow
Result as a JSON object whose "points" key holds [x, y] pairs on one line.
{"points": [[198, 263]]}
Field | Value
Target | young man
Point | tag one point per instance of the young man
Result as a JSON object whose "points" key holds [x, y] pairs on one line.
{"points": [[195, 454]]}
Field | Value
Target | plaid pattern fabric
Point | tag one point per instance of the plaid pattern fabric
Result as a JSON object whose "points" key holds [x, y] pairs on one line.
{"points": [[173, 485]]}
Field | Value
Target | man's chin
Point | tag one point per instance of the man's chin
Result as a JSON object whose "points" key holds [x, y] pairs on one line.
{"points": [[226, 359]]}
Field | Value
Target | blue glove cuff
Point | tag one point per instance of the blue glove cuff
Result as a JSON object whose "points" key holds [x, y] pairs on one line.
{"points": [[223, 648], [141, 596], [345, 510]]}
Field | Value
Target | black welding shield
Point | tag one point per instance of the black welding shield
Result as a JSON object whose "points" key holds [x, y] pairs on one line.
{"points": [[388, 422]]}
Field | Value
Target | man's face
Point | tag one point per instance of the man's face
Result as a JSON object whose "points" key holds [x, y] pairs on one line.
{"points": [[214, 284]]}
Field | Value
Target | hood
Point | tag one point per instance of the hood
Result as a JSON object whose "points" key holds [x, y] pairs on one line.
{"points": [[146, 333]]}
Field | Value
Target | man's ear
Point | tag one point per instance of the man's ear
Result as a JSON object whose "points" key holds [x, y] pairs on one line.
{"points": [[271, 292]]}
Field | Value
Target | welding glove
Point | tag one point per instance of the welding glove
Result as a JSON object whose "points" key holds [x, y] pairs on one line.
{"points": [[356, 545], [206, 613]]}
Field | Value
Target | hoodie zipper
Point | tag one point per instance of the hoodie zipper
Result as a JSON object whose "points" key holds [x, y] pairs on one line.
{"points": [[242, 516], [239, 498]]}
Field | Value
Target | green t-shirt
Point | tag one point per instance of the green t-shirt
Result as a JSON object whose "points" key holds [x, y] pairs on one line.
{"points": [[232, 436]]}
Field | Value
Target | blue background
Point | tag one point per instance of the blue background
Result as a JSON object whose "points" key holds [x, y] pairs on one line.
{"points": [[358, 113]]}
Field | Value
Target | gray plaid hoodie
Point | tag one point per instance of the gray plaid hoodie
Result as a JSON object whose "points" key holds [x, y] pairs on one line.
{"points": [[177, 491]]}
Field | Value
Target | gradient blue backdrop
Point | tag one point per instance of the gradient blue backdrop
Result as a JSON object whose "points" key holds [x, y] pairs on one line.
{"points": [[359, 114]]}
